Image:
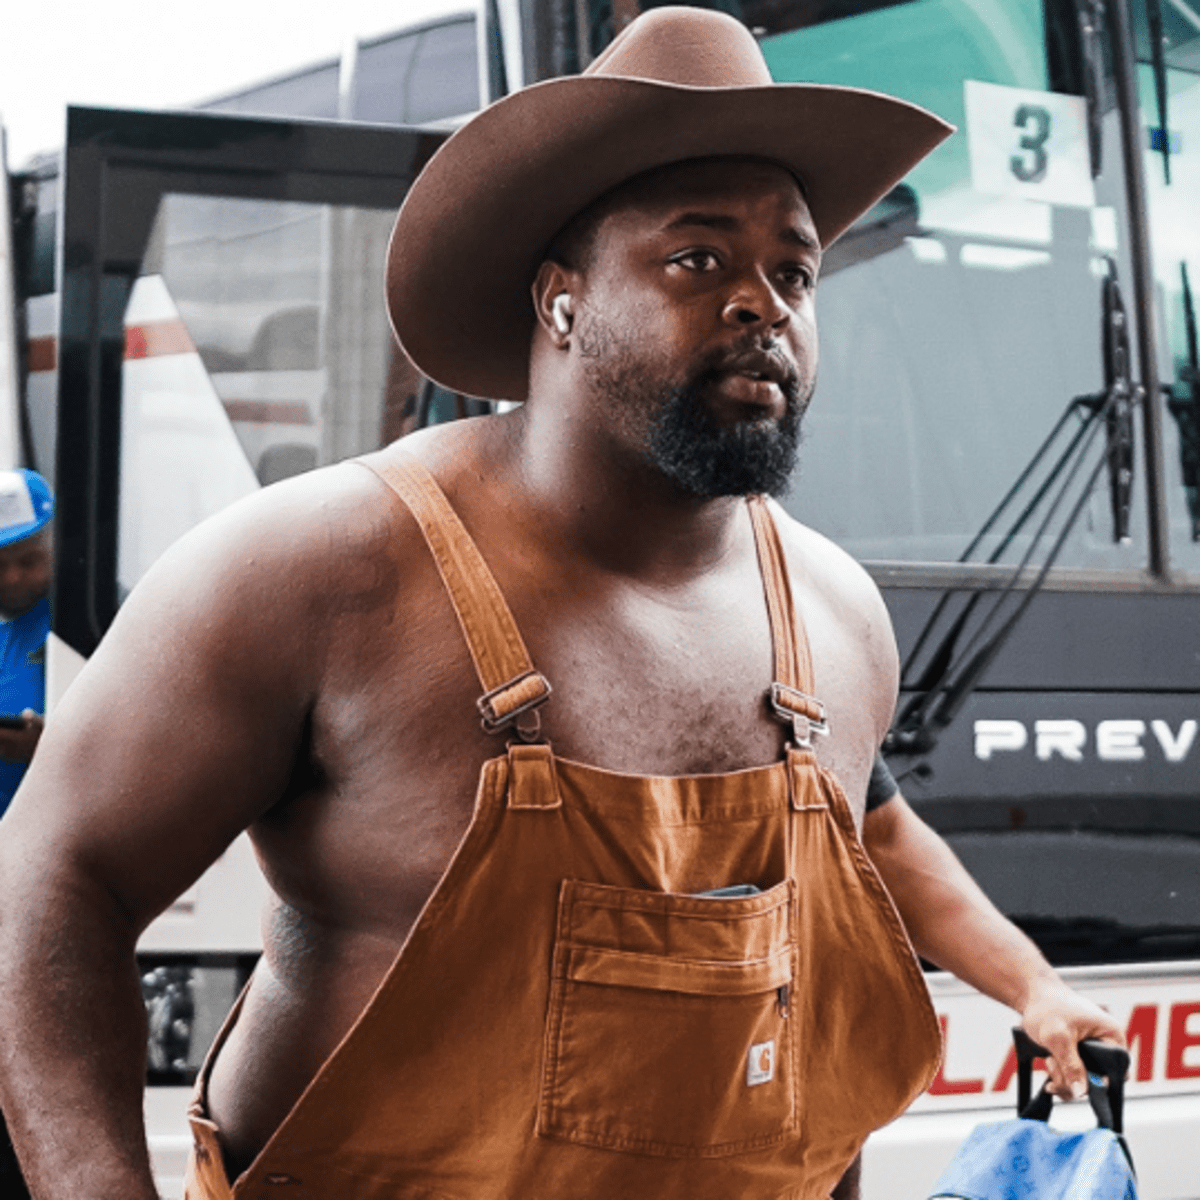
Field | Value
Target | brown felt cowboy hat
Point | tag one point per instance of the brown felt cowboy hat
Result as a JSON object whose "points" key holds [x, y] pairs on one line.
{"points": [[677, 83]]}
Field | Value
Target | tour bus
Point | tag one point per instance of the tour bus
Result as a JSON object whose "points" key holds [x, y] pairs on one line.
{"points": [[1006, 432]]}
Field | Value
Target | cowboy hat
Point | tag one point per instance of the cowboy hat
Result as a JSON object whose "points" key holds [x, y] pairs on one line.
{"points": [[677, 83]]}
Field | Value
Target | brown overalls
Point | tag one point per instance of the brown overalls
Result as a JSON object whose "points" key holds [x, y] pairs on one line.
{"points": [[569, 1019]]}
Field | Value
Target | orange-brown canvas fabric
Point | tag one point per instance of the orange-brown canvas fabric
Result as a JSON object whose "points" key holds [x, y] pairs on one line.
{"points": [[569, 1020]]}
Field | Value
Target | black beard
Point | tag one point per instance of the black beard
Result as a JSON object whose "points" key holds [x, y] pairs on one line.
{"points": [[708, 461], [683, 439]]}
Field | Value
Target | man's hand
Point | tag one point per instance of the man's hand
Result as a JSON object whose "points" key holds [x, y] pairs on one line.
{"points": [[19, 744], [1059, 1019]]}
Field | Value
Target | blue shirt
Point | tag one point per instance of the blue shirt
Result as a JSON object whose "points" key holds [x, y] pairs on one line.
{"points": [[22, 679]]}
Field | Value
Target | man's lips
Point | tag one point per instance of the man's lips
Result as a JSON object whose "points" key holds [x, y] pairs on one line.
{"points": [[755, 377], [742, 388]]}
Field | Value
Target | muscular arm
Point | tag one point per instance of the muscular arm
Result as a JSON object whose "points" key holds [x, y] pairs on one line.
{"points": [[953, 924], [180, 731]]}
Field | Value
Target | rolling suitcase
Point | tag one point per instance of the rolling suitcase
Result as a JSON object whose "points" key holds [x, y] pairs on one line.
{"points": [[1026, 1159]]}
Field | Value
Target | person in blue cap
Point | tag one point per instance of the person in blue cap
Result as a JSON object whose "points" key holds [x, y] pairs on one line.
{"points": [[26, 570]]}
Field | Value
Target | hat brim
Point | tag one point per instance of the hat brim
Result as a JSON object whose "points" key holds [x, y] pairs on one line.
{"points": [[476, 223], [18, 533]]}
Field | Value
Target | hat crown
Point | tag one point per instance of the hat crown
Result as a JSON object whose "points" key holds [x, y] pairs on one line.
{"points": [[685, 47]]}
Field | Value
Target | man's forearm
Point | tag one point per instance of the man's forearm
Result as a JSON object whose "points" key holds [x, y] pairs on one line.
{"points": [[954, 925], [950, 920], [72, 1043]]}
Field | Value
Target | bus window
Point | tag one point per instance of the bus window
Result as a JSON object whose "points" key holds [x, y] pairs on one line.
{"points": [[256, 348], [961, 318], [1169, 86]]}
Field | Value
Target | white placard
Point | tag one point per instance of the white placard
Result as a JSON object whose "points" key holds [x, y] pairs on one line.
{"points": [[1027, 144]]}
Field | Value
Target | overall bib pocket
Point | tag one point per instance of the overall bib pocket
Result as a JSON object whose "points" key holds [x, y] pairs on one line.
{"points": [[668, 1028]]}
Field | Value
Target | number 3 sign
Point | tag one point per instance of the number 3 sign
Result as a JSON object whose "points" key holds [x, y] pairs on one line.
{"points": [[1028, 144]]}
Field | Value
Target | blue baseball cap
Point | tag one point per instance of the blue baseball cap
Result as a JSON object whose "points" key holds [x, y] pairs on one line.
{"points": [[26, 505]]}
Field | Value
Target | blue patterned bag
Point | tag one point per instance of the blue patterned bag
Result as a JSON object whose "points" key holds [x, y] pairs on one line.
{"points": [[1025, 1159]]}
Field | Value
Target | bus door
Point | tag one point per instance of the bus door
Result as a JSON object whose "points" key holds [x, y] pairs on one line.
{"points": [[1168, 53], [221, 326]]}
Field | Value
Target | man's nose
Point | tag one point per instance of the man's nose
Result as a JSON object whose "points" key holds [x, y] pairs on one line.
{"points": [[755, 302]]}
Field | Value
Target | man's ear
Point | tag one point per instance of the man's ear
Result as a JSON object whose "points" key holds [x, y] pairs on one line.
{"points": [[554, 301]]}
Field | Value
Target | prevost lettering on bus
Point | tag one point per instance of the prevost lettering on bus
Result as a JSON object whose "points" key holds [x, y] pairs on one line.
{"points": [[1068, 743], [1113, 740], [1158, 1007]]}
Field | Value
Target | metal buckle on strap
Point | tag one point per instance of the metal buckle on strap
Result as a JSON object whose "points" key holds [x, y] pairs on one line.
{"points": [[804, 713], [515, 703]]}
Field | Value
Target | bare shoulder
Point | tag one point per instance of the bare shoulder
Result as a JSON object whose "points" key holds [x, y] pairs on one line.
{"points": [[850, 630], [186, 722], [288, 536], [826, 571], [273, 568], [256, 595]]}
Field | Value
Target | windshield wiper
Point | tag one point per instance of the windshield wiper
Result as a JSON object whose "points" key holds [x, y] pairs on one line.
{"points": [[957, 673], [952, 671]]}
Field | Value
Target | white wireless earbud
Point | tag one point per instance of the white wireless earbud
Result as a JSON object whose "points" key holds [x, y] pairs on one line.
{"points": [[562, 312]]}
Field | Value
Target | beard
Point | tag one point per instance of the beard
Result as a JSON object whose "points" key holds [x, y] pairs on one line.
{"points": [[681, 434], [707, 460]]}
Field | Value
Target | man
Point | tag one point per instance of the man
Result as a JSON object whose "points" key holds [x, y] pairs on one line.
{"points": [[646, 955], [26, 570]]}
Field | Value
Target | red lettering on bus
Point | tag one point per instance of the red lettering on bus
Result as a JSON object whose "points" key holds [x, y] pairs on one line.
{"points": [[941, 1086], [1179, 1041], [1142, 1032], [1009, 1070]]}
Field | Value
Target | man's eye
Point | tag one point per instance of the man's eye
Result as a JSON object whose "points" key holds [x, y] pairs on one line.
{"points": [[797, 278], [697, 260]]}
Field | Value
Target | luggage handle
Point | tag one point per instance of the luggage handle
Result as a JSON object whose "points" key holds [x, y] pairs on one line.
{"points": [[1100, 1059]]}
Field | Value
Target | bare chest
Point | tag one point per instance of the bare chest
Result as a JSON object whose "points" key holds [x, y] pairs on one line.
{"points": [[643, 684]]}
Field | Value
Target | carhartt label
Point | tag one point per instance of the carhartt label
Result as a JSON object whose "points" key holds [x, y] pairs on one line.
{"points": [[760, 1066]]}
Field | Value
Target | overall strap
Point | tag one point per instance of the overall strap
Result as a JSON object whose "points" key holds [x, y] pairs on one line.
{"points": [[512, 688], [790, 696]]}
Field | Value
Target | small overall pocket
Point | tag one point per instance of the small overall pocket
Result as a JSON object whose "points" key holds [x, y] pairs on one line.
{"points": [[668, 1028]]}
